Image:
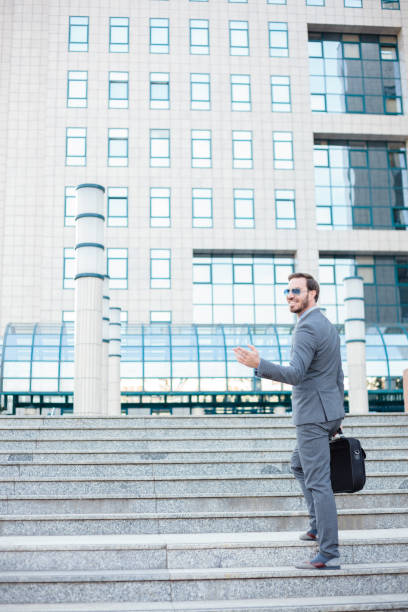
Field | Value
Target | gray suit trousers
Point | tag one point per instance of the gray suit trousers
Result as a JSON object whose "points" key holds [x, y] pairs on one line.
{"points": [[311, 466]]}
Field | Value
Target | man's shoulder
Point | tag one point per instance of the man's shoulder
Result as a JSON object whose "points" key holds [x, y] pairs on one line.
{"points": [[315, 321]]}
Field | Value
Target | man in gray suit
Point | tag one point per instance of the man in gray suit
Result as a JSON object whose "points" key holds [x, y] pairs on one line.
{"points": [[317, 410]]}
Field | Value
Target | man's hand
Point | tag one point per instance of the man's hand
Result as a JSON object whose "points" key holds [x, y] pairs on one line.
{"points": [[249, 358]]}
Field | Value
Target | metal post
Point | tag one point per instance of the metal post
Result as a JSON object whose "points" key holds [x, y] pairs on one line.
{"points": [[105, 344], [114, 398], [90, 271], [354, 324]]}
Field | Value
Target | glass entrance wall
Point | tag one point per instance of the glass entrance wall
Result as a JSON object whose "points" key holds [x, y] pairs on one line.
{"points": [[181, 358]]}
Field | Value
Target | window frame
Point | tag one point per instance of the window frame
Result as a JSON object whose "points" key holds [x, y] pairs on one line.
{"points": [[153, 258], [115, 136], [248, 221], [195, 202], [160, 48], [109, 258], [157, 157], [71, 25], [110, 198], [274, 50], [68, 139], [77, 80], [114, 78], [119, 47], [199, 49], [234, 49], [166, 219]]}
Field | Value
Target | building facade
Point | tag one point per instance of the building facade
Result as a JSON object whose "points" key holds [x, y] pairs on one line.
{"points": [[238, 141]]}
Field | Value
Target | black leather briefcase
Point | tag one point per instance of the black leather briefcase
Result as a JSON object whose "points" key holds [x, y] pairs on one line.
{"points": [[347, 465]]}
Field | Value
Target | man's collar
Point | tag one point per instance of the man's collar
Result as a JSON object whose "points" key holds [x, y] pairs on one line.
{"points": [[304, 314]]}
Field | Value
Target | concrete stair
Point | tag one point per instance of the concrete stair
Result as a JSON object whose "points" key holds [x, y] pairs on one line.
{"points": [[190, 513]]}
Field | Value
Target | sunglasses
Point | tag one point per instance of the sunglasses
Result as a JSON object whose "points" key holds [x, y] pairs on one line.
{"points": [[295, 291]]}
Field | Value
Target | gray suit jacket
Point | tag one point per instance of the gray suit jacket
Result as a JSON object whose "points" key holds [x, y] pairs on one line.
{"points": [[315, 371]]}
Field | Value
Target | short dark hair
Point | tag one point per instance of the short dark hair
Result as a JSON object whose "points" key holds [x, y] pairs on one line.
{"points": [[311, 282]]}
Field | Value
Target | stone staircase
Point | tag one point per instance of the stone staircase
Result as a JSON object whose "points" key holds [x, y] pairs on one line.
{"points": [[190, 513]]}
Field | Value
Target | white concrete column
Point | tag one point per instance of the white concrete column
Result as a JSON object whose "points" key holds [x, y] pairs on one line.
{"points": [[354, 323], [114, 398], [105, 344], [405, 388], [90, 271]]}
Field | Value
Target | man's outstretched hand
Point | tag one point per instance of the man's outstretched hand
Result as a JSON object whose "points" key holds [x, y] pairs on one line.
{"points": [[249, 358]]}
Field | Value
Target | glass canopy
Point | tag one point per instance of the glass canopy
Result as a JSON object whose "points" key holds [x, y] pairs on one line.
{"points": [[38, 358]]}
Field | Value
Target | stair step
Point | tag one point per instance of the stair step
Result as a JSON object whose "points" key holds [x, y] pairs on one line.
{"points": [[166, 469], [181, 433], [76, 457], [70, 421], [265, 549], [267, 501], [340, 603], [183, 444], [196, 484], [150, 523], [192, 584]]}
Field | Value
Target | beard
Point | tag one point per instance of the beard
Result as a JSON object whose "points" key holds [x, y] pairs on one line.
{"points": [[298, 307]]}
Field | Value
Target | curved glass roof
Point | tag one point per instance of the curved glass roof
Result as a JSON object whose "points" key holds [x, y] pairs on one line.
{"points": [[38, 358]]}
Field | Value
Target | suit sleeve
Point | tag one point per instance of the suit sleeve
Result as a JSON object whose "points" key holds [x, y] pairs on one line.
{"points": [[304, 348], [340, 379]]}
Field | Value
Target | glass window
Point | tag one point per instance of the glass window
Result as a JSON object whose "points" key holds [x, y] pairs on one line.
{"points": [[70, 205], [361, 184], [75, 147], [68, 268], [239, 38], [238, 1], [199, 37], [118, 147], [117, 260], [384, 286], [118, 90], [241, 289], [78, 34], [278, 39], [160, 90], [315, 2], [200, 91], [77, 89], [353, 3], [119, 35], [160, 148], [280, 94], [240, 92], [244, 215], [160, 274], [390, 4], [285, 209], [117, 206], [159, 207], [159, 35], [68, 316], [202, 207], [162, 316], [242, 149], [201, 149], [357, 73], [283, 151], [275, 1]]}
